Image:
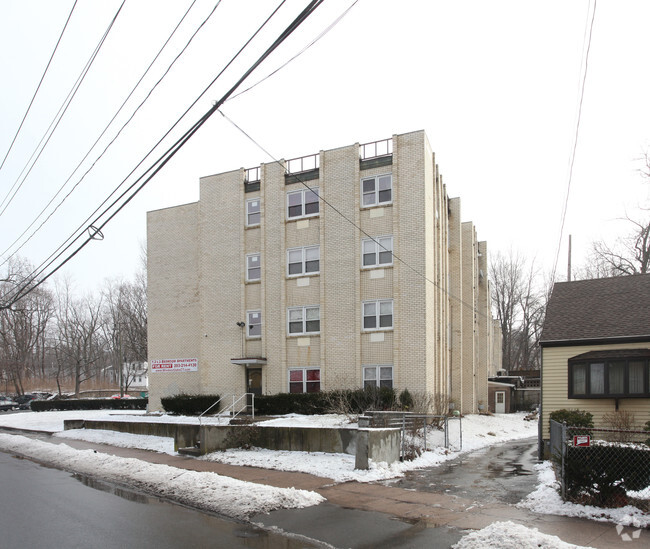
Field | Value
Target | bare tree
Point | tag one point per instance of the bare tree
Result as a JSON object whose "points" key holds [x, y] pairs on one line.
{"points": [[520, 304], [628, 255], [125, 326], [23, 326], [79, 344]]}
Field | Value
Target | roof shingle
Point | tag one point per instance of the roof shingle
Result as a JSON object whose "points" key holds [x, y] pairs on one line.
{"points": [[602, 308]]}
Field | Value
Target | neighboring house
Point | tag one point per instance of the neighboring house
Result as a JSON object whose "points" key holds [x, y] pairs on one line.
{"points": [[136, 376], [596, 347], [343, 269]]}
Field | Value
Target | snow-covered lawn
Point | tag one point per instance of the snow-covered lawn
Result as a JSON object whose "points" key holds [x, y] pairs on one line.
{"points": [[478, 431]]}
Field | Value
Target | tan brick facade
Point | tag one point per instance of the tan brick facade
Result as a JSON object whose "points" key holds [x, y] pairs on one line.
{"points": [[202, 257]]}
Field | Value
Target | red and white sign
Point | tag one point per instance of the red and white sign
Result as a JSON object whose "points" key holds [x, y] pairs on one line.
{"points": [[175, 365], [582, 440]]}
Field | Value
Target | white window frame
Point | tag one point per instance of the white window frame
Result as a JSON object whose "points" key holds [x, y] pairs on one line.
{"points": [[250, 323], [249, 203], [249, 259], [377, 246], [303, 193], [374, 198], [377, 315], [304, 378], [303, 319], [378, 375], [304, 250]]}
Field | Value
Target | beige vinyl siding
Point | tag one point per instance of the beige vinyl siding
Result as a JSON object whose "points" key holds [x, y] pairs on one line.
{"points": [[555, 389]]}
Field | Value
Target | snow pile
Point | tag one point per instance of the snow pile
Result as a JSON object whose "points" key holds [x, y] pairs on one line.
{"points": [[509, 535], [224, 495], [546, 499], [164, 445]]}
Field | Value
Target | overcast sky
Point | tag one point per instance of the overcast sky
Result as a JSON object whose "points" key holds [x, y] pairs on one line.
{"points": [[495, 85]]}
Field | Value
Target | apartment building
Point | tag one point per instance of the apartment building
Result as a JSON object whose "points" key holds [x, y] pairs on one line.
{"points": [[343, 269]]}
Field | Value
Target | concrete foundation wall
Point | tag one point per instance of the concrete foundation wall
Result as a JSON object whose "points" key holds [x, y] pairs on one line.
{"points": [[375, 444]]}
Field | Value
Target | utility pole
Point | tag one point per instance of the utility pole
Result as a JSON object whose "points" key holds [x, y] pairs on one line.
{"points": [[568, 276]]}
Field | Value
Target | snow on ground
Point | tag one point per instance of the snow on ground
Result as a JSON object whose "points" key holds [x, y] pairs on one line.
{"points": [[546, 499], [224, 495], [509, 535], [477, 432]]}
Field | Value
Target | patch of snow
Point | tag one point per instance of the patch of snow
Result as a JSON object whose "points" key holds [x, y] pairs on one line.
{"points": [[510, 535], [546, 499], [164, 445], [224, 495]]}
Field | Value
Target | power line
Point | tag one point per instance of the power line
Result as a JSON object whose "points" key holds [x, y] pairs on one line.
{"points": [[323, 33], [575, 139], [104, 131], [62, 110], [166, 157], [39, 85], [356, 226], [67, 244]]}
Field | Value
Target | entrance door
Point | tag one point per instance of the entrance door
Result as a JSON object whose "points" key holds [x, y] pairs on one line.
{"points": [[500, 402], [253, 385], [254, 381]]}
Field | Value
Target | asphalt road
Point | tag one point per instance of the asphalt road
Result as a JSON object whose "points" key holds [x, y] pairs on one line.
{"points": [[41, 507]]}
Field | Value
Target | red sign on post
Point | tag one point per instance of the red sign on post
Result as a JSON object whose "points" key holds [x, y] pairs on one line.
{"points": [[582, 440]]}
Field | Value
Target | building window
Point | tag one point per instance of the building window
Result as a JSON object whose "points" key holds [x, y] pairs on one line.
{"points": [[378, 314], [253, 215], [378, 376], [304, 380], [302, 261], [377, 190], [303, 320], [302, 203], [377, 252], [597, 375], [253, 267], [254, 324]]}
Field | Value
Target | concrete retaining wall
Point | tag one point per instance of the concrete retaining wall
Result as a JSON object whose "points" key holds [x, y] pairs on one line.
{"points": [[304, 439], [365, 444], [184, 434]]}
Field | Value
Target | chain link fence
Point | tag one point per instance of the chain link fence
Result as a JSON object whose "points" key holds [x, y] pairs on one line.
{"points": [[421, 432], [602, 467]]}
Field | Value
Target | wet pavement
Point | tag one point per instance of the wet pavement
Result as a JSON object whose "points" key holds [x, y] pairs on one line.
{"points": [[503, 474], [433, 508]]}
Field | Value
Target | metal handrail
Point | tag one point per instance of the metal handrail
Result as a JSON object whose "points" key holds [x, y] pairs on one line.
{"points": [[232, 406], [210, 408]]}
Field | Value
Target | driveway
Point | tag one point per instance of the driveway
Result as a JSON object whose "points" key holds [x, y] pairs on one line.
{"points": [[499, 474]]}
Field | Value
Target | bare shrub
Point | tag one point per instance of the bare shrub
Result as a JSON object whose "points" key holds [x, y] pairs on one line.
{"points": [[429, 403], [621, 421]]}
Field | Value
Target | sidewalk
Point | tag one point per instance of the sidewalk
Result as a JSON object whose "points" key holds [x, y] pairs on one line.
{"points": [[363, 515]]}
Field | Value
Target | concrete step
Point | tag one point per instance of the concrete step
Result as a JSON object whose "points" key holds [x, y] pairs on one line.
{"points": [[190, 451]]}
